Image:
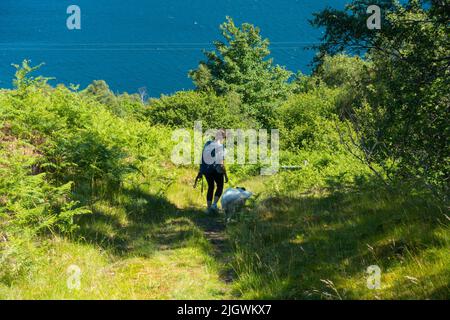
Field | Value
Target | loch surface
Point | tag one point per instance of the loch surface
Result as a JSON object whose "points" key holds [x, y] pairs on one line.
{"points": [[138, 43]]}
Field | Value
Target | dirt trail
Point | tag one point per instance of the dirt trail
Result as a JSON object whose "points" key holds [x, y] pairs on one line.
{"points": [[192, 205], [214, 229]]}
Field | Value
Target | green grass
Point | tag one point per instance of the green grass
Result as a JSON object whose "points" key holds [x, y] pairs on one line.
{"points": [[318, 246], [133, 246], [183, 273], [136, 245]]}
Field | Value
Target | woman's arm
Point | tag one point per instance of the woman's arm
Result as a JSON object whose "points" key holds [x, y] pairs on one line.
{"points": [[199, 177], [224, 152], [225, 173]]}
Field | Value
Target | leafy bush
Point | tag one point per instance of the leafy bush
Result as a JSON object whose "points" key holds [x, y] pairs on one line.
{"points": [[58, 150], [121, 105], [184, 108], [309, 128], [29, 205], [307, 120], [406, 96]]}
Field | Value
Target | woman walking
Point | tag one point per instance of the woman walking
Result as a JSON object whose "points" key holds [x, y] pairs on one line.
{"points": [[213, 168]]}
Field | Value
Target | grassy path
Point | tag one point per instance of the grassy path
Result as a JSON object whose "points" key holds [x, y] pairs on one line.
{"points": [[313, 246], [136, 246], [214, 232], [213, 227]]}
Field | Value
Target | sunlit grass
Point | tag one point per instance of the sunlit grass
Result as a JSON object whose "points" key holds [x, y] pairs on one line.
{"points": [[183, 273], [297, 246], [320, 245], [153, 252]]}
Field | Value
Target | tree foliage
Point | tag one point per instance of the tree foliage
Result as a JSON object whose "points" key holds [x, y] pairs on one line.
{"points": [[403, 119], [241, 64]]}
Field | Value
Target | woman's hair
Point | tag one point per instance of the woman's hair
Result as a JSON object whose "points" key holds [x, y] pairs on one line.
{"points": [[220, 134]]}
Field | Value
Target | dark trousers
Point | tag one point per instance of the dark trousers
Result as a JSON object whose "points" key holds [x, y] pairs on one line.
{"points": [[214, 178]]}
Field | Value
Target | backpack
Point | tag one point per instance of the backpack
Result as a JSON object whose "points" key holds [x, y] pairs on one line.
{"points": [[206, 168]]}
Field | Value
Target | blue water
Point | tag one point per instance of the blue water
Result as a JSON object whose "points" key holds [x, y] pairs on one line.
{"points": [[137, 43]]}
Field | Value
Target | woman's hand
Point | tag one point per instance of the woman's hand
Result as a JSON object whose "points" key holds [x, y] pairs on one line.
{"points": [[199, 176]]}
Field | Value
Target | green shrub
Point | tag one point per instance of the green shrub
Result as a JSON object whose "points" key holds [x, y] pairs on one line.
{"points": [[58, 150], [30, 206], [183, 108]]}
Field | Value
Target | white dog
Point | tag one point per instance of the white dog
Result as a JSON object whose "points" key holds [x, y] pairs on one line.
{"points": [[234, 199]]}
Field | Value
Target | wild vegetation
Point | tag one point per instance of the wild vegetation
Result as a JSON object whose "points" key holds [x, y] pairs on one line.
{"points": [[86, 178]]}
